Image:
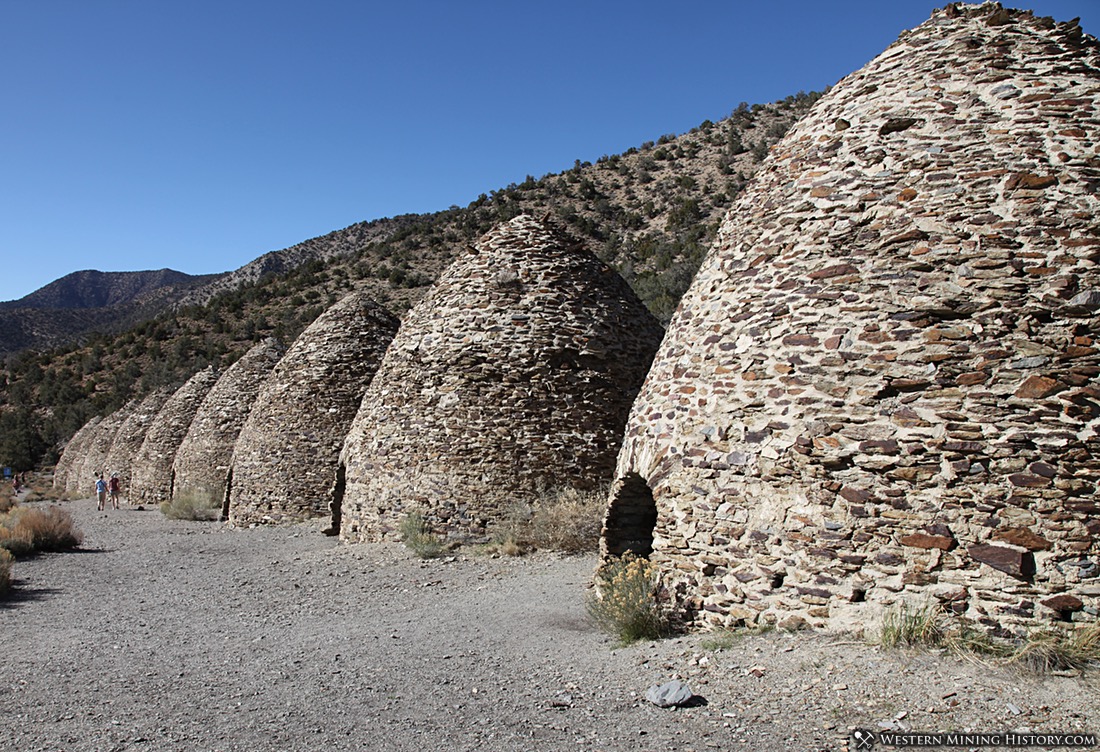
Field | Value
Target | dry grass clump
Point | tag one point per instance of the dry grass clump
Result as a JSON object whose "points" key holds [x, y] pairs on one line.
{"points": [[913, 626], [1041, 651], [195, 506], [419, 538], [5, 571], [26, 530], [627, 601], [564, 519], [567, 520], [1046, 651]]}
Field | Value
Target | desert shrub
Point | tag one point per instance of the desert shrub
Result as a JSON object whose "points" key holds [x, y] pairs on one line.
{"points": [[626, 602], [5, 571], [196, 506], [509, 534], [16, 541], [419, 538], [48, 529]]}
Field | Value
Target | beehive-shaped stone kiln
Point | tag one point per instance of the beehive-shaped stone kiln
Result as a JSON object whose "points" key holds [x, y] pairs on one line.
{"points": [[71, 461], [152, 467], [203, 459], [131, 434], [882, 384], [97, 449], [515, 373], [287, 453]]}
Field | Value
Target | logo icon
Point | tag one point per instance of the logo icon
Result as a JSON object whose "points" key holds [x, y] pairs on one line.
{"points": [[863, 739]]}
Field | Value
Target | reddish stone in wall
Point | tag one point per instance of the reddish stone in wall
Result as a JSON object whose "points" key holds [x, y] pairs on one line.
{"points": [[1063, 603], [1030, 181], [1007, 560], [1038, 387], [1021, 536], [924, 540]]}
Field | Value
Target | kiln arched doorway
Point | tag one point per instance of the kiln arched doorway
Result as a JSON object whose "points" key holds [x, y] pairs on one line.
{"points": [[228, 491], [339, 486], [631, 518]]}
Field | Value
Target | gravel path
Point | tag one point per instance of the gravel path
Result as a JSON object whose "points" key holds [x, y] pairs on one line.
{"points": [[165, 635]]}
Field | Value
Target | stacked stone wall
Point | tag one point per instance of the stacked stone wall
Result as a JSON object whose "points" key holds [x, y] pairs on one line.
{"points": [[152, 475], [882, 384], [285, 459], [130, 435], [70, 463], [82, 483], [204, 456], [514, 374]]}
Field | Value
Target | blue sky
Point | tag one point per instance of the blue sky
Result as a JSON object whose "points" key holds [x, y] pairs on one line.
{"points": [[199, 135]]}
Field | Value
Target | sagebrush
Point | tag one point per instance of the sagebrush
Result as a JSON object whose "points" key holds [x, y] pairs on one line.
{"points": [[567, 520], [7, 501], [16, 540], [26, 530]]}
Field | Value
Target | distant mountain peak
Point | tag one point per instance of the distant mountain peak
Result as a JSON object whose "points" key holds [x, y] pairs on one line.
{"points": [[90, 300]]}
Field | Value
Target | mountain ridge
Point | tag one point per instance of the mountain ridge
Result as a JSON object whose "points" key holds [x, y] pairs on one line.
{"points": [[71, 306], [91, 288]]}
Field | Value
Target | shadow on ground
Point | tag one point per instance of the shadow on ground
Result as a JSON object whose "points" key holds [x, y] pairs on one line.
{"points": [[20, 594]]}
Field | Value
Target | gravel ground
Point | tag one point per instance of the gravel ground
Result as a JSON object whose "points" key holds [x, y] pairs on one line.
{"points": [[166, 635]]}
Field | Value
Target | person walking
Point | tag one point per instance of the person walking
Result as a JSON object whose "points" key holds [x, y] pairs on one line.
{"points": [[115, 489], [100, 491]]}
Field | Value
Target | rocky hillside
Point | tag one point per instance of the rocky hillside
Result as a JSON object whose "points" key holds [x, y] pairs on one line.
{"points": [[650, 212], [325, 248], [87, 301]]}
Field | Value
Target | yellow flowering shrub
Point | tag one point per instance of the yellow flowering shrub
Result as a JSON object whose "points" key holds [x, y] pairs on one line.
{"points": [[627, 601]]}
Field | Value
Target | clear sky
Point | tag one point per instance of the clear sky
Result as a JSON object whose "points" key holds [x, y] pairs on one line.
{"points": [[199, 134]]}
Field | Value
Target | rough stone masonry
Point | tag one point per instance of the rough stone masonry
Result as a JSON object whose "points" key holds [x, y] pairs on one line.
{"points": [[131, 435], [286, 457], [203, 458], [66, 475], [97, 449], [513, 375], [882, 384], [152, 466]]}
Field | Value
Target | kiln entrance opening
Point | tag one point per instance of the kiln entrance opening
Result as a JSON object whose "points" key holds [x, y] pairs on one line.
{"points": [[631, 517], [338, 488], [228, 491]]}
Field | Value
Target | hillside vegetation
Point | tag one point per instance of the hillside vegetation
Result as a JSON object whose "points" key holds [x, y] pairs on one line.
{"points": [[651, 212]]}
